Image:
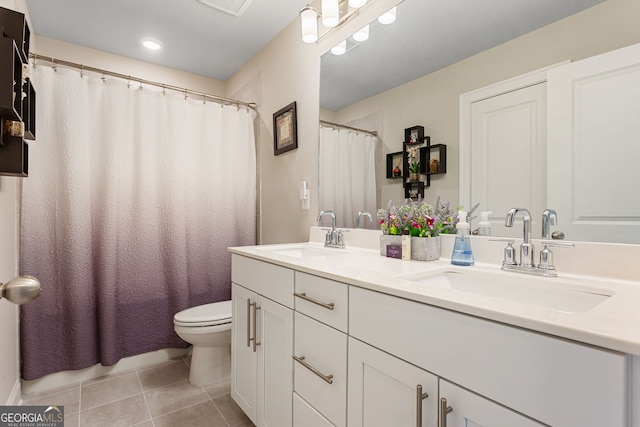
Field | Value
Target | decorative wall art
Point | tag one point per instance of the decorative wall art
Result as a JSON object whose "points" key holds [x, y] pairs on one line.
{"points": [[285, 129]]}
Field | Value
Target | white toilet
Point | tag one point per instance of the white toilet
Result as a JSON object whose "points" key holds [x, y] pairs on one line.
{"points": [[208, 328]]}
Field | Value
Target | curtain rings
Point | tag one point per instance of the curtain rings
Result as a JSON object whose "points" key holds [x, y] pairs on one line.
{"points": [[54, 65], [103, 78], [81, 70]]}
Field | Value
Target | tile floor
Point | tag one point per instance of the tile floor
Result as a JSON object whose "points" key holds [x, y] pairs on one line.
{"points": [[156, 396]]}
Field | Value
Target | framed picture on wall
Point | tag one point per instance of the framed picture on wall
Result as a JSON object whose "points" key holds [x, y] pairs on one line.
{"points": [[285, 129]]}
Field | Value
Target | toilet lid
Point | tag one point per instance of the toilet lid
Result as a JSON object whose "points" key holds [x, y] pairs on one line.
{"points": [[205, 315]]}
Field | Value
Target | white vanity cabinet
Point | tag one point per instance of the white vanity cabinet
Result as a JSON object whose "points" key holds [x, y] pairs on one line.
{"points": [[320, 351], [386, 391], [262, 341], [550, 380]]}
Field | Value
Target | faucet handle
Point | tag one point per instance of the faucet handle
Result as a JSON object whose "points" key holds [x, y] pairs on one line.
{"points": [[546, 256], [509, 252]]}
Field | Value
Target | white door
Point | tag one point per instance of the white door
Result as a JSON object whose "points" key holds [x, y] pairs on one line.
{"points": [[470, 410], [508, 156], [244, 360], [385, 391], [594, 147], [275, 364]]}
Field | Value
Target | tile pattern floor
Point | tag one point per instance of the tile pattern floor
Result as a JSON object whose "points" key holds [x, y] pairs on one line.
{"points": [[156, 396]]}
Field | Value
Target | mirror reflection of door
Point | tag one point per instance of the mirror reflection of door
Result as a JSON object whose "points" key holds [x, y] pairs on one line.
{"points": [[507, 155]]}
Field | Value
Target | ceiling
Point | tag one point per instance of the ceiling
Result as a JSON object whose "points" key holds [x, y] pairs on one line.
{"points": [[428, 35], [196, 38]]}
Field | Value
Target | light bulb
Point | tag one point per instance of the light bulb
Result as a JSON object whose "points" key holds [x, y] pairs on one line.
{"points": [[151, 44], [389, 17], [362, 34], [330, 13], [309, 24], [340, 48]]}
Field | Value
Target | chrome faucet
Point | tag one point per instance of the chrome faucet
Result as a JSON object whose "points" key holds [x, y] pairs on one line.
{"points": [[549, 216], [363, 214], [526, 248], [334, 238], [526, 264]]}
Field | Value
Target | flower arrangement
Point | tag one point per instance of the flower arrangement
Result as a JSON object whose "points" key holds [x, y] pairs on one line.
{"points": [[420, 218]]}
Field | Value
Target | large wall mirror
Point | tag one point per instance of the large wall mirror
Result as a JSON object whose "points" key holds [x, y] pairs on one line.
{"points": [[430, 38]]}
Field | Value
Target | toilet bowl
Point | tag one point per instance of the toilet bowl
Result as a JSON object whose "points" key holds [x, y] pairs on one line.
{"points": [[208, 328]]}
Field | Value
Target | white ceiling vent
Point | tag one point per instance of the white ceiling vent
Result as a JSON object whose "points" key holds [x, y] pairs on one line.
{"points": [[232, 7]]}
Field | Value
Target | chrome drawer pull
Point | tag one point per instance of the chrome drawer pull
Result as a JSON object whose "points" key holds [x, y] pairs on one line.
{"points": [[255, 325], [304, 296], [249, 322], [444, 410], [300, 360], [420, 396]]}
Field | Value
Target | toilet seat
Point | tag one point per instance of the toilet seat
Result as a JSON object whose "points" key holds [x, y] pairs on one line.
{"points": [[217, 313]]}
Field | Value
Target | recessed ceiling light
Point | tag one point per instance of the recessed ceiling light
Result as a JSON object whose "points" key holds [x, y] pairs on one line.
{"points": [[151, 44]]}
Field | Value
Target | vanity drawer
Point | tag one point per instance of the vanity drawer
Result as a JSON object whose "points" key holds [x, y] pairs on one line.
{"points": [[304, 415], [323, 299], [321, 352], [269, 280], [556, 381]]}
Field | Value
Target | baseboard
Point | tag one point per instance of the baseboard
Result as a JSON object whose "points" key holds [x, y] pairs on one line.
{"points": [[67, 378], [15, 398]]}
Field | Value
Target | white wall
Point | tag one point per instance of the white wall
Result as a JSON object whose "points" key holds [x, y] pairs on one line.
{"points": [[433, 100]]}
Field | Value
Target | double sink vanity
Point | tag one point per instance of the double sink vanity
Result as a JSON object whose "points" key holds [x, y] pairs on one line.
{"points": [[346, 337]]}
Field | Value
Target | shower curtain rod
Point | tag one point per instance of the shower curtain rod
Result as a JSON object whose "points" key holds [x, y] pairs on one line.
{"points": [[370, 132], [56, 61]]}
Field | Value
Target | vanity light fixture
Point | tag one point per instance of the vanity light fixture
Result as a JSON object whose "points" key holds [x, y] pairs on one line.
{"points": [[309, 24], [340, 48], [330, 13], [362, 34], [389, 17], [151, 44]]}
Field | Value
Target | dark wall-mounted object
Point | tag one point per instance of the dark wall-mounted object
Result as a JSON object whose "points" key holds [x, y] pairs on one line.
{"points": [[394, 165], [17, 94], [10, 78], [436, 152], [414, 134], [15, 27], [14, 156]]}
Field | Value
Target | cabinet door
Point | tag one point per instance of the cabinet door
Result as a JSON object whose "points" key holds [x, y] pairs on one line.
{"points": [[275, 365], [470, 410], [385, 391], [305, 415], [244, 361], [593, 149]]}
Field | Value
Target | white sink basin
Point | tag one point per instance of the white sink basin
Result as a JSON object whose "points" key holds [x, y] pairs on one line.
{"points": [[302, 251], [551, 293]]}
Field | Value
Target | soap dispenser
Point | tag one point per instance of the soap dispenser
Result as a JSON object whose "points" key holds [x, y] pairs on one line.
{"points": [[484, 227], [462, 254]]}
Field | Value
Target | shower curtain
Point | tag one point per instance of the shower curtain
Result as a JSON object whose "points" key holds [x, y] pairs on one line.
{"points": [[347, 178], [132, 199]]}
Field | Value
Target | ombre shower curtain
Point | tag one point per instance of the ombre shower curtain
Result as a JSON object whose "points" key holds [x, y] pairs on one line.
{"points": [[132, 199], [347, 174]]}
